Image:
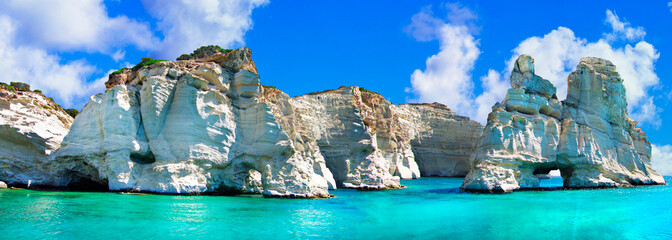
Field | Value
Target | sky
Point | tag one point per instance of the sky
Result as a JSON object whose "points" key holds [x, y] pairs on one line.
{"points": [[457, 53]]}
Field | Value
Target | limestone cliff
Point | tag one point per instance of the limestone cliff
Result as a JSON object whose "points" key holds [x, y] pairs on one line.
{"points": [[189, 126], [206, 125], [358, 131], [441, 140], [589, 136], [32, 126]]}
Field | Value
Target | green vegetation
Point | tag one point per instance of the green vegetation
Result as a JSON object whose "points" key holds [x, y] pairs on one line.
{"points": [[361, 89], [24, 87], [7, 86], [146, 61], [273, 87], [72, 112], [204, 51], [37, 91], [118, 71]]}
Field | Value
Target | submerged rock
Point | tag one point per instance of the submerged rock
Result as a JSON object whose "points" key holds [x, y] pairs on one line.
{"points": [[589, 136]]}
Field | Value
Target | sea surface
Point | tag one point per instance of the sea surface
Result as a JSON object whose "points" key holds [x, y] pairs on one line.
{"points": [[430, 208]]}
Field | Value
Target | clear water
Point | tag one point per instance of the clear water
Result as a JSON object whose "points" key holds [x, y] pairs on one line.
{"points": [[430, 208]]}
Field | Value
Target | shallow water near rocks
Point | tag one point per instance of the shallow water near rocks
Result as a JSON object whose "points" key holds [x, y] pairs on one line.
{"points": [[430, 208]]}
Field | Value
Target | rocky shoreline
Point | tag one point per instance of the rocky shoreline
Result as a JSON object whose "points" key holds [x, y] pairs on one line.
{"points": [[206, 125]]}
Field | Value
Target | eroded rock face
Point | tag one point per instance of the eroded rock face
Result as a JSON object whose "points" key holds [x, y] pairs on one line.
{"points": [[207, 125], [410, 140], [338, 120], [523, 77], [589, 137], [32, 126], [600, 146], [189, 127], [441, 140]]}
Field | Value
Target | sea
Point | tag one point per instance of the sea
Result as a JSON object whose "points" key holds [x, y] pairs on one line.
{"points": [[429, 208]]}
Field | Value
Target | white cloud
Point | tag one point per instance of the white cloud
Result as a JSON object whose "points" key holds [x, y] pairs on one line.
{"points": [[75, 25], [187, 25], [669, 4], [424, 25], [557, 53], [494, 89], [661, 159], [622, 29], [118, 55], [447, 76], [65, 82]]}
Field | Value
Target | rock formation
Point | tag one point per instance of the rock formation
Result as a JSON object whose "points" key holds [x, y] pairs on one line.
{"points": [[189, 126], [207, 125], [442, 141], [589, 136], [32, 126]]}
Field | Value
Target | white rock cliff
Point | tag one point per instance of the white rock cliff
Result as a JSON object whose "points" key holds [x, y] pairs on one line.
{"points": [[589, 136], [32, 126], [207, 125]]}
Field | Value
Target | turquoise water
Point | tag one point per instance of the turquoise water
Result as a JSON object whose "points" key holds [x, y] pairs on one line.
{"points": [[430, 208]]}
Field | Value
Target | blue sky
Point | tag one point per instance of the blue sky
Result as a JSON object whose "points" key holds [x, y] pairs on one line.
{"points": [[457, 53]]}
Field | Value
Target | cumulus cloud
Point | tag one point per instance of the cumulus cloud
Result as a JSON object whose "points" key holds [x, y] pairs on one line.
{"points": [[65, 82], [187, 25], [661, 159], [447, 76], [621, 29], [75, 25], [557, 53]]}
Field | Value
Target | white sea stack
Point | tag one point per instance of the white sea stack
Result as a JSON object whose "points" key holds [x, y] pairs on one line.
{"points": [[589, 136]]}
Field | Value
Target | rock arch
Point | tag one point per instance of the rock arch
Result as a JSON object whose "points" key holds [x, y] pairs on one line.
{"points": [[588, 136]]}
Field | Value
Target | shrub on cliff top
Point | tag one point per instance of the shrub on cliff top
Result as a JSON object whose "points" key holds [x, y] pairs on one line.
{"points": [[361, 89], [118, 71], [7, 86], [24, 87], [204, 51], [72, 112], [146, 61]]}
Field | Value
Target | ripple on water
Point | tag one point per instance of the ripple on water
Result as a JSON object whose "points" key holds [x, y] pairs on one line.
{"points": [[430, 208]]}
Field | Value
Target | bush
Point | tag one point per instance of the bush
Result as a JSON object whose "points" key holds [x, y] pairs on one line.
{"points": [[20, 86], [37, 91], [361, 89], [146, 61], [184, 57], [204, 51], [118, 71], [72, 112]]}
